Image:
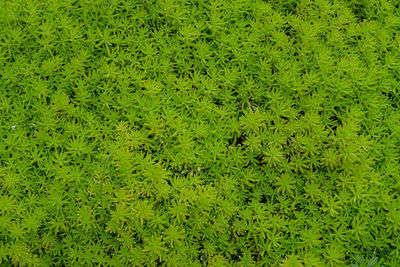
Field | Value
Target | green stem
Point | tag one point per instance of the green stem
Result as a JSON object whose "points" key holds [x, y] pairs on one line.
{"points": [[103, 177]]}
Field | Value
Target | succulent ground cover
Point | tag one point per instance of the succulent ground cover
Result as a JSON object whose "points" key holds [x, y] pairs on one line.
{"points": [[199, 133]]}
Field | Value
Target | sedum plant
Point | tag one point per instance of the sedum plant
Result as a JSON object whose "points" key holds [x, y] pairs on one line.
{"points": [[199, 133]]}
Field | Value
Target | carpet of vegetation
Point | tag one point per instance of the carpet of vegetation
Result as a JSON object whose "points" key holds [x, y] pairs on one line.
{"points": [[199, 133]]}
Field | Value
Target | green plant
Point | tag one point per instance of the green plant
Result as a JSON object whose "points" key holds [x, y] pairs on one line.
{"points": [[192, 133], [361, 261]]}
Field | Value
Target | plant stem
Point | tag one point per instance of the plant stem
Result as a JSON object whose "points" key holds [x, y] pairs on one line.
{"points": [[106, 162]]}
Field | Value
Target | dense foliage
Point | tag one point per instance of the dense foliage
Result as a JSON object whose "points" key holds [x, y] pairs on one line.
{"points": [[192, 133]]}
